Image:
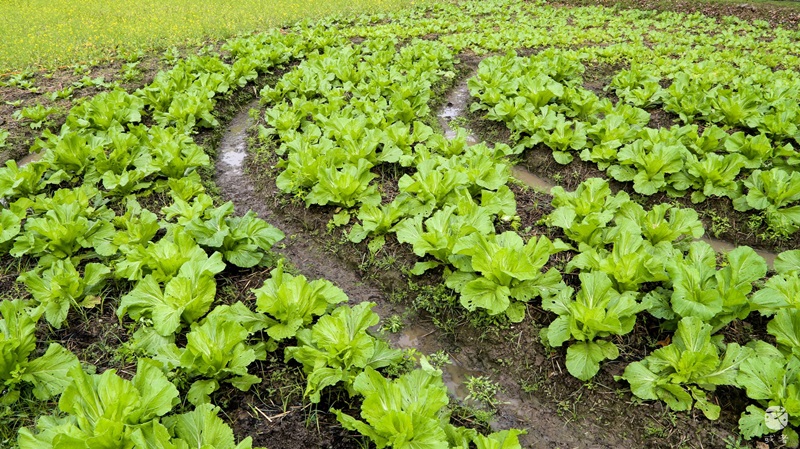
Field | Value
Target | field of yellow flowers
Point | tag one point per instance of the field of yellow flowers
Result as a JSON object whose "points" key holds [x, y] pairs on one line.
{"points": [[49, 33]]}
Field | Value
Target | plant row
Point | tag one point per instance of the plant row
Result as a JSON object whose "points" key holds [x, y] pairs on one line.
{"points": [[744, 148], [337, 119]]}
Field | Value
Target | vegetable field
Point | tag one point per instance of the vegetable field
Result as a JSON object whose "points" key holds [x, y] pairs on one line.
{"points": [[474, 224]]}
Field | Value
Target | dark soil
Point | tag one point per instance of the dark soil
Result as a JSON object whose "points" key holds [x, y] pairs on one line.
{"points": [[783, 13], [21, 136]]}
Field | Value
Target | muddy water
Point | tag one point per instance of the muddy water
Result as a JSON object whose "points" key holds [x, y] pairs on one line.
{"points": [[32, 157], [529, 179], [454, 374], [721, 246], [455, 106]]}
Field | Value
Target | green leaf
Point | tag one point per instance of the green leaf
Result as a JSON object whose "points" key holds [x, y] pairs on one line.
{"points": [[752, 423], [485, 294], [583, 358], [48, 373], [202, 428]]}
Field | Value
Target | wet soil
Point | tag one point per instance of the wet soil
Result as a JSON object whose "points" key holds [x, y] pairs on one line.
{"points": [[777, 13], [12, 98], [537, 393]]}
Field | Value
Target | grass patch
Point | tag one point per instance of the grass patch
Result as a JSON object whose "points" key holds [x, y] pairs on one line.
{"points": [[50, 33]]}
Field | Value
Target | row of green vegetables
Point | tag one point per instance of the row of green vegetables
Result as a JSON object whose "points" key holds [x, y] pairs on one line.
{"points": [[76, 216], [339, 115], [743, 148]]}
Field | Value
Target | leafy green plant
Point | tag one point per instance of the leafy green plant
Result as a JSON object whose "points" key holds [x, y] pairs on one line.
{"points": [[632, 260], [501, 273], [47, 373], [293, 301], [105, 410], [776, 192], [771, 378], [682, 372], [3, 138], [64, 230], [184, 299], [715, 296], [410, 412], [243, 241], [37, 115], [648, 164], [584, 213], [106, 110], [404, 413], [60, 286], [337, 348], [779, 292], [597, 311], [217, 351]]}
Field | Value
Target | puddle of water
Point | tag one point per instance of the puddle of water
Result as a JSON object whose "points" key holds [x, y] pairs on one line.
{"points": [[412, 337], [455, 377], [454, 374], [721, 246], [233, 147], [529, 179], [33, 157], [233, 158], [456, 106]]}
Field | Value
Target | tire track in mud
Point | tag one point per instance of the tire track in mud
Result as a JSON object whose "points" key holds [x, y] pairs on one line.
{"points": [[306, 250]]}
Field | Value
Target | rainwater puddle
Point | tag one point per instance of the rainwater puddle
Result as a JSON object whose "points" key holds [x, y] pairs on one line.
{"points": [[233, 147], [721, 246], [33, 157], [454, 374], [529, 179], [455, 106]]}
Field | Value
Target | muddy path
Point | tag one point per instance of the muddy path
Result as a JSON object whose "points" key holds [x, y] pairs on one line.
{"points": [[308, 247]]}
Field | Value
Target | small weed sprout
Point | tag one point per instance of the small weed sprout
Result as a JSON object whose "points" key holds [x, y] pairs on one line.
{"points": [[484, 390], [439, 359], [392, 324]]}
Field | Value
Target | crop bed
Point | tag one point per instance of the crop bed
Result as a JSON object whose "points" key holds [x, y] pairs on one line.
{"points": [[156, 298]]}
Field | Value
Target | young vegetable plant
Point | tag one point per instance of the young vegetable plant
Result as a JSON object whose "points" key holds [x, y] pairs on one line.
{"points": [[105, 410], [185, 298], [411, 412], [47, 373], [683, 372], [501, 273], [61, 286], [597, 311], [700, 290], [294, 302], [337, 348], [217, 351], [771, 378]]}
